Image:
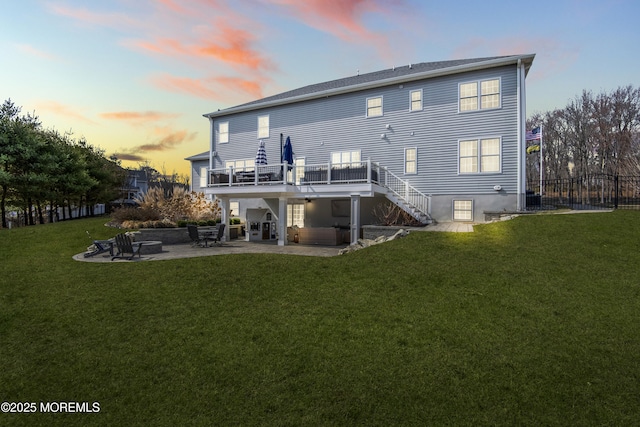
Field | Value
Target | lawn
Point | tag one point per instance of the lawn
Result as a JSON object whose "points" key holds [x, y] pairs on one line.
{"points": [[532, 321]]}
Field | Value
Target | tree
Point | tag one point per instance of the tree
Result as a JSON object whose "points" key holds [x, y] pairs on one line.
{"points": [[18, 150], [40, 167]]}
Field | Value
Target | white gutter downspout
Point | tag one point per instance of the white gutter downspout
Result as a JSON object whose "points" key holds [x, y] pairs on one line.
{"points": [[211, 144], [520, 109]]}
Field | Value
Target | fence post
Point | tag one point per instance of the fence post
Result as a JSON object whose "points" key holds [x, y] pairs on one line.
{"points": [[615, 197], [571, 192]]}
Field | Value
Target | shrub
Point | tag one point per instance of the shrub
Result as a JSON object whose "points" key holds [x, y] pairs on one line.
{"points": [[159, 210], [129, 213]]}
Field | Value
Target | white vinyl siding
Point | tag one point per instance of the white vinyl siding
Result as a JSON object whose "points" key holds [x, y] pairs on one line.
{"points": [[223, 132], [479, 156], [263, 126], [479, 95], [415, 99], [463, 210], [374, 106], [411, 161]]}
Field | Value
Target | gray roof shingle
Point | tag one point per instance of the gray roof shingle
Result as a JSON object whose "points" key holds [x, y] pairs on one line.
{"points": [[363, 79]]}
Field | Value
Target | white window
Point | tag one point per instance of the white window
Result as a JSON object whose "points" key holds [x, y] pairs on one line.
{"points": [[479, 95], [374, 106], [241, 164], [345, 158], [295, 215], [234, 208], [410, 160], [479, 156], [415, 97], [263, 126], [223, 132], [203, 177], [463, 210]]}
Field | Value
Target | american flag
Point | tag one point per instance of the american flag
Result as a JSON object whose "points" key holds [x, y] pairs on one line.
{"points": [[534, 134]]}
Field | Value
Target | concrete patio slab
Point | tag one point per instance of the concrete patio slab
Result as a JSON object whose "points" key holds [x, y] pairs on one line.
{"points": [[243, 247]]}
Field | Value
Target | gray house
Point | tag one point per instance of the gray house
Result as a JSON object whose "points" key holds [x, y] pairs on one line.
{"points": [[445, 141]]}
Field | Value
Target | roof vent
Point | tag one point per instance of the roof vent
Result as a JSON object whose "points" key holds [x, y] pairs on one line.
{"points": [[410, 66], [357, 72]]}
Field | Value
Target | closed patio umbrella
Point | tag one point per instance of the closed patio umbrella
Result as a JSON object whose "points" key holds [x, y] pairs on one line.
{"points": [[287, 153], [261, 155]]}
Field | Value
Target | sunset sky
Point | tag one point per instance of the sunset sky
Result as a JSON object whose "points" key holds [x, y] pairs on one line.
{"points": [[134, 77]]}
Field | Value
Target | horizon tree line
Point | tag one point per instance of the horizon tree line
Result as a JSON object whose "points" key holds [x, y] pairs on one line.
{"points": [[593, 135], [44, 173]]}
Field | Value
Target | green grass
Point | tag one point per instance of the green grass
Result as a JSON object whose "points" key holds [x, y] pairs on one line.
{"points": [[532, 321]]}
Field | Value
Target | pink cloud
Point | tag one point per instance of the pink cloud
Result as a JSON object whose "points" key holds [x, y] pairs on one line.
{"points": [[87, 17], [342, 18], [215, 87], [167, 139], [345, 19], [167, 142], [232, 46], [63, 110], [195, 87], [235, 46], [138, 117], [30, 50]]}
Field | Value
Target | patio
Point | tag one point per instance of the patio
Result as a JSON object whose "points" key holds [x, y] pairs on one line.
{"points": [[186, 250]]}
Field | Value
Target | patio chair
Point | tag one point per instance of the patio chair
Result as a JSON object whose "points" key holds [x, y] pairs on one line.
{"points": [[126, 248], [219, 235], [99, 247], [198, 238]]}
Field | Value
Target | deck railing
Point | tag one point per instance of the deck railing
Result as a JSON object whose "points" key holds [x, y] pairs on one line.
{"points": [[322, 173], [403, 190]]}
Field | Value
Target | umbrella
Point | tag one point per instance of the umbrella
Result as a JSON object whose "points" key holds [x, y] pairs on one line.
{"points": [[287, 154], [261, 155]]}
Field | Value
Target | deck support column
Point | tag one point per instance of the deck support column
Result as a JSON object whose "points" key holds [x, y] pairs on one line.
{"points": [[224, 214], [355, 218], [282, 221]]}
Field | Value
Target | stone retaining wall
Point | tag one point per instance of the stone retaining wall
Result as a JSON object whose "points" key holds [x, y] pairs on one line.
{"points": [[168, 236]]}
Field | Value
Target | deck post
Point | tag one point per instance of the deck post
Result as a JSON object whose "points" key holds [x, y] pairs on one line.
{"points": [[282, 221], [355, 218], [225, 206]]}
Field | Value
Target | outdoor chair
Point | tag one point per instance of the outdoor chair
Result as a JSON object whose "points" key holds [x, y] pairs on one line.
{"points": [[199, 238], [99, 247], [126, 248], [219, 235]]}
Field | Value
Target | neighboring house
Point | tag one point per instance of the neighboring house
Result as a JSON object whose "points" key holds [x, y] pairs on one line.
{"points": [[445, 141], [135, 186]]}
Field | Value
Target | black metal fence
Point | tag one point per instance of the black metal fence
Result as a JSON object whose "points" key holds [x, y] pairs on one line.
{"points": [[597, 192]]}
